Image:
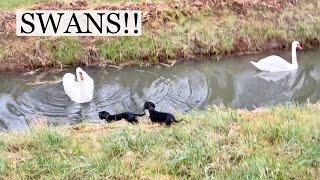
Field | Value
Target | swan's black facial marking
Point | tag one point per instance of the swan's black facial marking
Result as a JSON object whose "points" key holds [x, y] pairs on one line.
{"points": [[81, 76], [299, 47], [301, 44]]}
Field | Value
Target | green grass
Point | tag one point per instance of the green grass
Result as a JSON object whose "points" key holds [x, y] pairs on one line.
{"points": [[277, 143], [3, 53], [16, 4], [176, 33], [189, 35], [125, 49], [65, 50]]}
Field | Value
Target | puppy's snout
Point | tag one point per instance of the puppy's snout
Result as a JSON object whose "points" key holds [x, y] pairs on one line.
{"points": [[103, 115], [100, 115]]}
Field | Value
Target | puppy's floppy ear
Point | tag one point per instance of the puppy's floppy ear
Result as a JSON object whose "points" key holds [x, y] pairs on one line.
{"points": [[153, 106]]}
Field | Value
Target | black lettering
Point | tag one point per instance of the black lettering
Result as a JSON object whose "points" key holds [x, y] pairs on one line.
{"points": [[94, 22], [27, 22], [74, 18], [55, 27], [113, 22]]}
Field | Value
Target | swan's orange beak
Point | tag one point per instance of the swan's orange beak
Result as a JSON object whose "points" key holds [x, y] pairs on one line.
{"points": [[299, 47], [81, 76]]}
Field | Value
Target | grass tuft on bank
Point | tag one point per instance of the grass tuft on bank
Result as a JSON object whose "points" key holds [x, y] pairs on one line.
{"points": [[65, 50], [278, 143], [3, 53]]}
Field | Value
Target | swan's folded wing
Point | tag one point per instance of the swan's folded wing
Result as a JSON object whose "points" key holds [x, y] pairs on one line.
{"points": [[71, 86], [274, 63], [87, 88], [91, 84]]}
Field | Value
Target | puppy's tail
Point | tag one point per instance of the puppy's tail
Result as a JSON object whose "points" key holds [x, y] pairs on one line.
{"points": [[178, 120], [140, 114]]}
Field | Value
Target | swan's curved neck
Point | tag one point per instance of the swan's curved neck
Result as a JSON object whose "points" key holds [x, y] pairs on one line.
{"points": [[78, 76], [294, 56]]}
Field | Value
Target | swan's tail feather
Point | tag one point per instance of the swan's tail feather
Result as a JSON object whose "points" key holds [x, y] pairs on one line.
{"points": [[254, 63]]}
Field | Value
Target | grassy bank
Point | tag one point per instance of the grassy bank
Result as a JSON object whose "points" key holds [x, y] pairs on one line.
{"points": [[171, 30], [277, 143]]}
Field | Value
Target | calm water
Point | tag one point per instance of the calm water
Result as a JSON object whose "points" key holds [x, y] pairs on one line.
{"points": [[232, 81]]}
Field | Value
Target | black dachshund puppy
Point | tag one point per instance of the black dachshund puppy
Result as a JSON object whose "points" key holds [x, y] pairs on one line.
{"points": [[128, 116], [159, 117]]}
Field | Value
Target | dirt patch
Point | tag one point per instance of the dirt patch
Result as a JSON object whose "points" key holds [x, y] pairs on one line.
{"points": [[241, 46], [258, 113], [94, 129]]}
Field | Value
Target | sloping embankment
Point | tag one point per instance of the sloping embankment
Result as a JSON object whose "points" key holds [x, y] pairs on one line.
{"points": [[171, 30], [278, 143]]}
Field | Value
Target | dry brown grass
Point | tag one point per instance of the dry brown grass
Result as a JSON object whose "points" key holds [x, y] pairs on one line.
{"points": [[220, 143], [38, 122], [171, 30], [256, 114]]}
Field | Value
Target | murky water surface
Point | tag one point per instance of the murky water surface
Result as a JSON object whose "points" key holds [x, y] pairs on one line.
{"points": [[233, 81]]}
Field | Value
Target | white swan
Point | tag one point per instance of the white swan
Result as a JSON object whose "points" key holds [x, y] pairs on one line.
{"points": [[80, 91], [277, 64]]}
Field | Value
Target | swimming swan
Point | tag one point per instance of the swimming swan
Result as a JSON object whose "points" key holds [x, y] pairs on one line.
{"points": [[277, 64], [80, 91]]}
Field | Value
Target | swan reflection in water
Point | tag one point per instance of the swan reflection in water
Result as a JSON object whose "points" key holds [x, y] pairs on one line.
{"points": [[265, 89]]}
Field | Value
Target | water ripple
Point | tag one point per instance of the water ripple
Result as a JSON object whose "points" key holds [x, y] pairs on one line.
{"points": [[179, 89]]}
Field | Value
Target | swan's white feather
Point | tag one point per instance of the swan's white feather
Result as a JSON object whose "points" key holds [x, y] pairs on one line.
{"points": [[79, 92], [70, 86], [277, 64], [273, 64], [86, 88]]}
